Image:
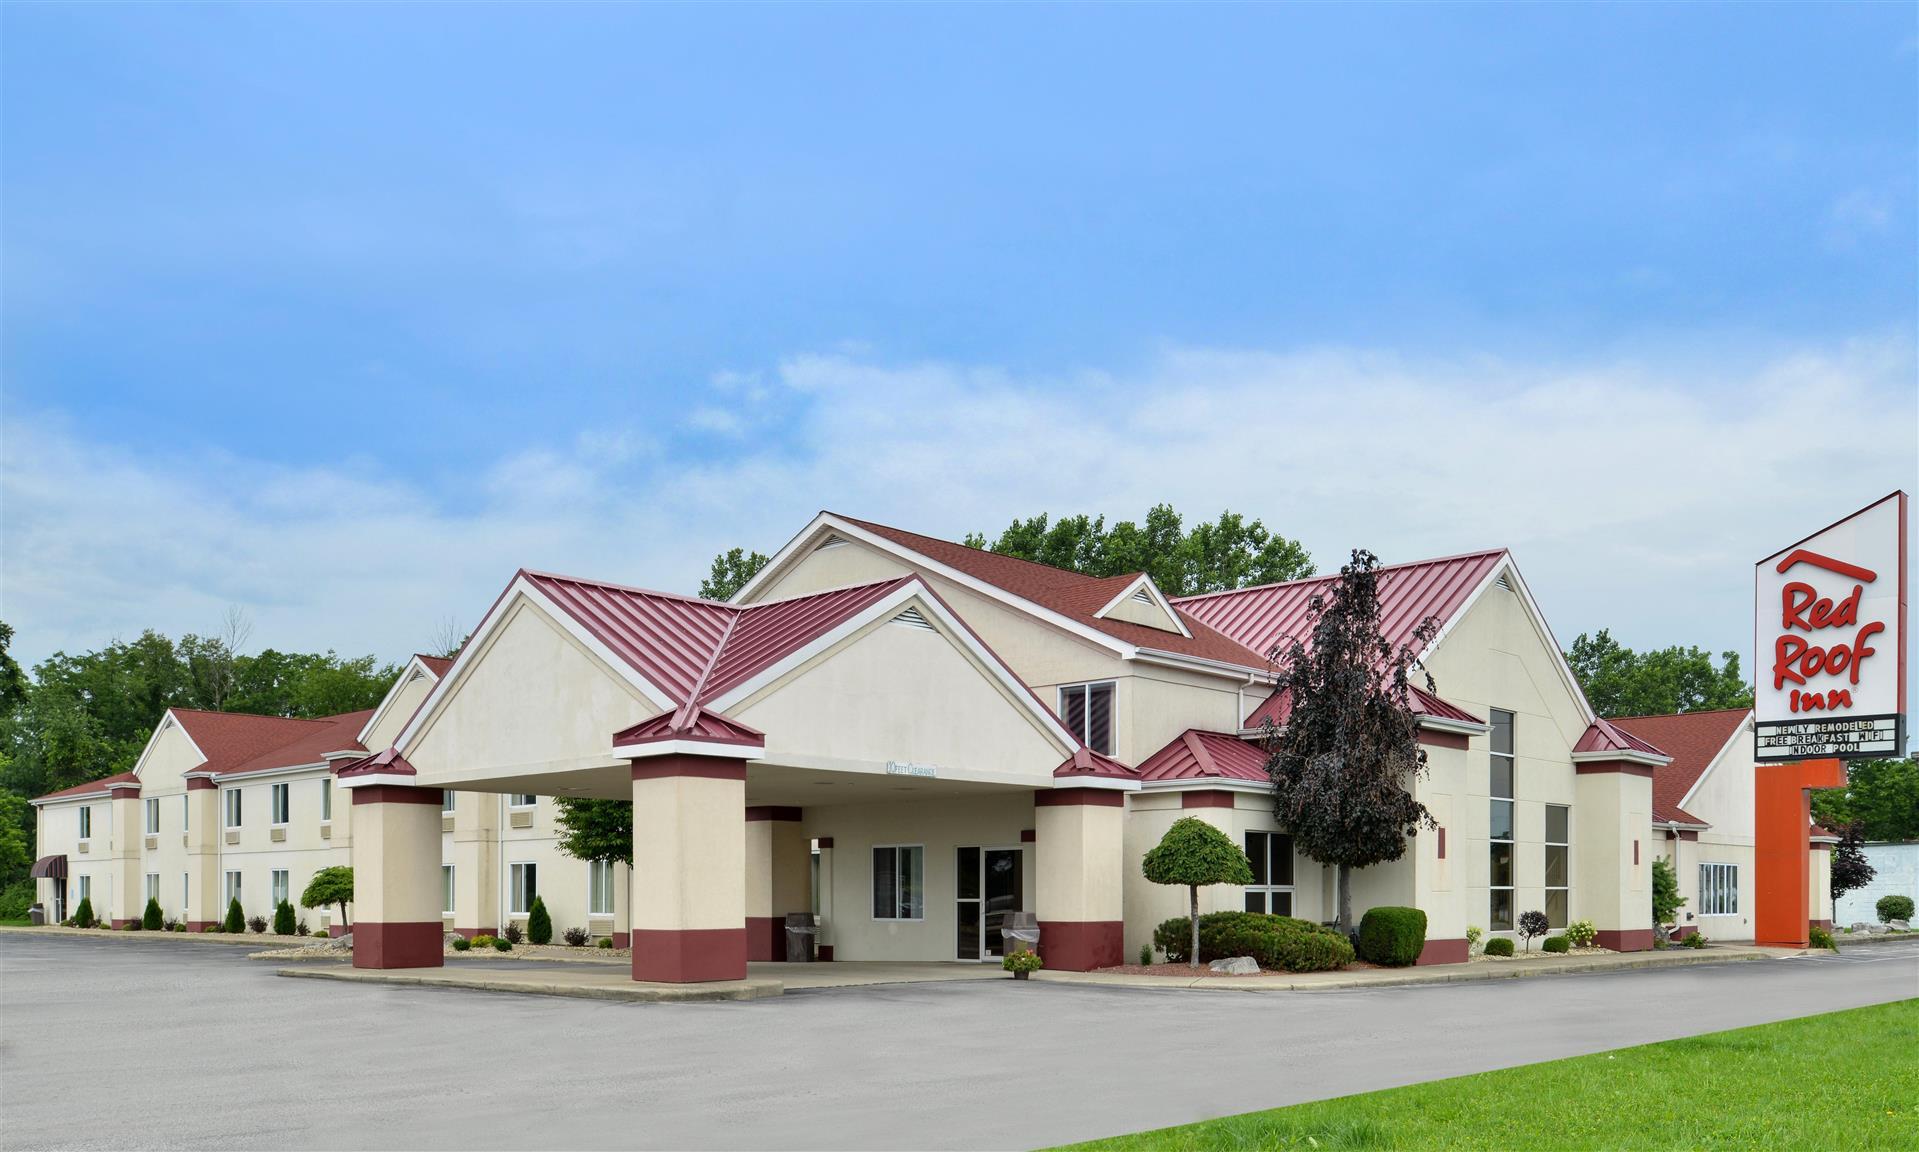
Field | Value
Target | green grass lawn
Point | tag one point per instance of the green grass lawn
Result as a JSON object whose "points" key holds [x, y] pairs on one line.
{"points": [[1842, 1080]]}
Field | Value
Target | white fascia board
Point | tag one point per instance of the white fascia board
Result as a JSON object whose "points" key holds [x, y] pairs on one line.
{"points": [[1627, 755], [1146, 582], [495, 617], [415, 668], [1205, 784], [915, 590], [166, 718], [1739, 733], [772, 567], [399, 778], [1678, 824], [1107, 783], [1201, 664], [1511, 569], [687, 748], [1447, 724], [263, 773]]}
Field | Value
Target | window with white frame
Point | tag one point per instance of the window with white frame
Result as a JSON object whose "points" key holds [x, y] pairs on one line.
{"points": [[282, 887], [326, 800], [186, 812], [153, 815], [186, 893], [1500, 824], [1558, 862], [86, 821], [899, 882], [522, 888], [446, 801], [519, 800], [233, 807], [446, 889], [1271, 855], [599, 888], [280, 803], [1088, 712], [1719, 889], [153, 887], [233, 887], [86, 887]]}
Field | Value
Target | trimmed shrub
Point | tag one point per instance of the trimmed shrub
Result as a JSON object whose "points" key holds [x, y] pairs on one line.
{"points": [[483, 941], [1582, 933], [321, 933], [461, 944], [1272, 941], [1894, 908], [152, 919], [539, 925], [257, 925], [1392, 937], [1499, 946], [236, 921], [574, 937], [1556, 944], [83, 915], [1319, 951], [1696, 940], [606, 942], [1820, 938], [283, 919], [209, 928], [503, 945], [1145, 955], [512, 934]]}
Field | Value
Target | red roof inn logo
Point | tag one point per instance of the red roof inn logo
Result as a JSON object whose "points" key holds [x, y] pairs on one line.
{"points": [[1831, 629]]}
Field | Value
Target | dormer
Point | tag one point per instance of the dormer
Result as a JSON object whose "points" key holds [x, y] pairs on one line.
{"points": [[1140, 602]]}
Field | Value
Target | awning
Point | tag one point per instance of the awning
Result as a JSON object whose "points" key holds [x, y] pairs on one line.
{"points": [[50, 867]]}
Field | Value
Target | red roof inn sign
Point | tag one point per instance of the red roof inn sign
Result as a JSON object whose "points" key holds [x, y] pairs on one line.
{"points": [[1831, 638]]}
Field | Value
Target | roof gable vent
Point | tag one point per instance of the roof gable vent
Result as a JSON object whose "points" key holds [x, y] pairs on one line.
{"points": [[829, 542], [1143, 597], [1500, 581], [912, 619]]}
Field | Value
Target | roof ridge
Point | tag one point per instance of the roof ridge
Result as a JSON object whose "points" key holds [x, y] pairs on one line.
{"points": [[1473, 554], [633, 588], [1676, 715], [691, 706], [1073, 572]]}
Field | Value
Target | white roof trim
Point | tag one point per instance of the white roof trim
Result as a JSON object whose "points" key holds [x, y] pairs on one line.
{"points": [[166, 718], [688, 748], [1448, 724], [415, 668], [1205, 784], [1201, 663], [401, 778], [283, 770], [1509, 568], [1145, 584], [1107, 782], [1625, 754], [495, 617], [915, 591], [1740, 732]]}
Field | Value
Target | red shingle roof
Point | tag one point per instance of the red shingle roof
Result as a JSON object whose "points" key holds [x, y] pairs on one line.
{"points": [[1197, 755], [91, 787], [1693, 740], [1264, 617], [238, 742], [435, 664], [1070, 594]]}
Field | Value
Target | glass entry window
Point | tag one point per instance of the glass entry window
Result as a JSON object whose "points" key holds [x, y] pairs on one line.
{"points": [[991, 882], [1271, 855]]}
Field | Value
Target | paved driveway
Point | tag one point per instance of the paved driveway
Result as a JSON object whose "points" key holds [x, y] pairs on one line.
{"points": [[118, 1045]]}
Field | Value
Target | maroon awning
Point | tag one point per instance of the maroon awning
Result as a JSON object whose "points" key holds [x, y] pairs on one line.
{"points": [[50, 867]]}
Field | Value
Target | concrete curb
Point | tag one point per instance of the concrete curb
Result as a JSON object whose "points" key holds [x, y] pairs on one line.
{"points": [[245, 940], [632, 993], [1844, 941], [1435, 975]]}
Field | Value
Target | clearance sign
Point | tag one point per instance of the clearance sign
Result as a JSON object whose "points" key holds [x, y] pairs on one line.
{"points": [[1831, 637]]}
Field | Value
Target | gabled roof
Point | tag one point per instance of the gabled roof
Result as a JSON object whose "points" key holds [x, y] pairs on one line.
{"points": [[90, 788], [1603, 740], [421, 666], [1067, 598], [434, 664], [235, 742], [1695, 741], [1197, 755], [1086, 764]]}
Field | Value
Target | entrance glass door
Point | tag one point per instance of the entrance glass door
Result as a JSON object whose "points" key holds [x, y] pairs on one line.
{"points": [[990, 883]]}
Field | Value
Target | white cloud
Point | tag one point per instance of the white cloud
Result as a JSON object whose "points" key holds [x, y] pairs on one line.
{"points": [[1635, 495]]}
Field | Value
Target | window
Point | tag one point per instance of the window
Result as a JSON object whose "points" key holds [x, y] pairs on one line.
{"points": [[446, 888], [233, 807], [599, 888], [1088, 712], [280, 803], [446, 801], [86, 821], [280, 887], [186, 893], [153, 816], [326, 800], [899, 882], [523, 884], [1558, 864], [186, 812], [520, 801], [233, 887], [86, 887], [1500, 823], [1271, 854], [1719, 889], [153, 887]]}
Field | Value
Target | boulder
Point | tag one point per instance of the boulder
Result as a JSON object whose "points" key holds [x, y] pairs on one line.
{"points": [[1237, 966], [449, 937], [1899, 925], [1861, 928], [339, 943]]}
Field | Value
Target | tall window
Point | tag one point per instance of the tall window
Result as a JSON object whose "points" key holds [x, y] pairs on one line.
{"points": [[233, 887], [280, 805], [1558, 862], [86, 887], [523, 885], [153, 886], [1500, 822], [446, 887], [153, 816], [281, 887], [233, 807], [86, 821], [1088, 712], [518, 800], [1271, 854], [446, 801], [599, 888], [1719, 889], [326, 800], [186, 812], [899, 882], [186, 893]]}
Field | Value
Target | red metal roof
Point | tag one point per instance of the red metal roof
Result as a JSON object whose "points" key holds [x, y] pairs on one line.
{"points": [[1085, 762], [1197, 755], [1424, 703], [1070, 594], [1603, 735], [700, 724], [1264, 617], [91, 787], [1693, 740], [387, 762]]}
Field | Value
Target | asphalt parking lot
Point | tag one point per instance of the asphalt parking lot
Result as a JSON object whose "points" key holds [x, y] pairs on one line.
{"points": [[134, 1045]]}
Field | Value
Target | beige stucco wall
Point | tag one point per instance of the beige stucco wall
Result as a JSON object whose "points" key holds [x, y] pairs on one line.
{"points": [[396, 867], [397, 709], [1079, 862], [1612, 815], [307, 844], [689, 848]]}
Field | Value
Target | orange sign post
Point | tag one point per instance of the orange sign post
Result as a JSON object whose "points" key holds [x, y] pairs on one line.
{"points": [[1782, 816]]}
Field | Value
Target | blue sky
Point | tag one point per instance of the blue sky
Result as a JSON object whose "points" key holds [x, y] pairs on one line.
{"points": [[342, 313]]}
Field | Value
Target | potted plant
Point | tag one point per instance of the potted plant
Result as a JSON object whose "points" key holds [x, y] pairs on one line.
{"points": [[1021, 963]]}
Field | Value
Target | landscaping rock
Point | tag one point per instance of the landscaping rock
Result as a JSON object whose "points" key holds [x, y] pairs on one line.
{"points": [[1237, 966], [449, 937], [1899, 925], [1861, 928], [339, 943]]}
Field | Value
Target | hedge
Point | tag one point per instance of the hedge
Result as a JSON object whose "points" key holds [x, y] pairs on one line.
{"points": [[1894, 908], [1499, 946], [1392, 937], [1557, 944], [1272, 941]]}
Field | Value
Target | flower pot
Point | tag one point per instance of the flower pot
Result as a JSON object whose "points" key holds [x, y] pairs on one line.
{"points": [[1021, 975]]}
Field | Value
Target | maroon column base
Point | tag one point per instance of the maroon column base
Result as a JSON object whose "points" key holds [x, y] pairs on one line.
{"points": [[200, 925], [1826, 924], [824, 953], [765, 938], [398, 945], [335, 931], [1444, 952], [119, 924], [689, 956], [622, 939], [1082, 945], [1684, 930], [1625, 939], [470, 933]]}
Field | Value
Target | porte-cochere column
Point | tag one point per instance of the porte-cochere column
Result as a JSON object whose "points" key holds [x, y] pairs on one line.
{"points": [[1079, 840], [689, 869], [396, 865]]}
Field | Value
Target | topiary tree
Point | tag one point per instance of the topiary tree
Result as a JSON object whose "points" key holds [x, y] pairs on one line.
{"points": [[83, 915], [539, 926], [1344, 763], [1195, 853], [152, 919], [1666, 900], [236, 921], [1392, 937], [330, 886], [283, 919], [1850, 868], [1533, 924]]}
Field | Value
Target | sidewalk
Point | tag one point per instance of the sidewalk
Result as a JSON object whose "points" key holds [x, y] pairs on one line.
{"points": [[596, 983], [241, 939]]}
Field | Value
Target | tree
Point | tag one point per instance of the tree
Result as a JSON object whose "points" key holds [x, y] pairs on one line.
{"points": [[1196, 854], [83, 915], [1533, 924], [596, 829], [1621, 682], [448, 638], [283, 919], [16, 826], [332, 885], [1230, 552], [1850, 870], [236, 921], [1666, 900], [152, 919], [731, 571], [1880, 795], [539, 925], [1344, 764]]}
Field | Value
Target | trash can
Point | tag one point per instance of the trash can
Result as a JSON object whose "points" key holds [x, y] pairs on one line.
{"points": [[37, 916], [801, 931], [1019, 932]]}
